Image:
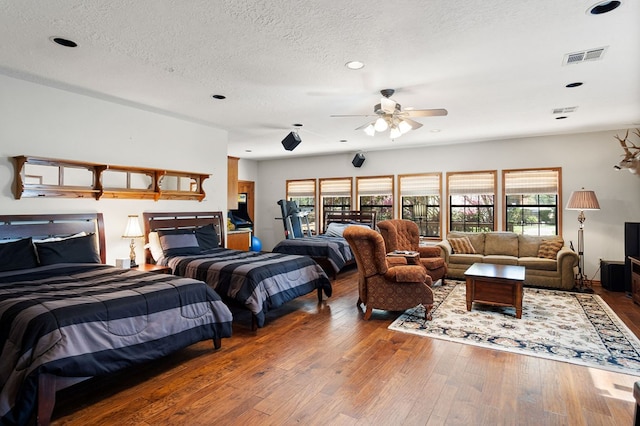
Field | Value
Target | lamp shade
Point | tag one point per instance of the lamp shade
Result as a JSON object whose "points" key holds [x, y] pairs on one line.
{"points": [[583, 200], [133, 229]]}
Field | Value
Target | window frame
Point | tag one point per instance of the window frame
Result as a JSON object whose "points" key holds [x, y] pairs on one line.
{"points": [[379, 215], [312, 223], [321, 198], [494, 206], [401, 205]]}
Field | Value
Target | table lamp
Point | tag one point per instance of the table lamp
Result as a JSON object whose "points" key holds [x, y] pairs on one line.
{"points": [[133, 231], [582, 200]]}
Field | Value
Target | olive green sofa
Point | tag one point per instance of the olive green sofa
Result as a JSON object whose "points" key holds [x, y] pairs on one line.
{"points": [[508, 248]]}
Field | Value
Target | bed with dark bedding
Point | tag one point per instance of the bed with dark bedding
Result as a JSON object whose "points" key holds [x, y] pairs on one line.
{"points": [[191, 244], [329, 249], [65, 316]]}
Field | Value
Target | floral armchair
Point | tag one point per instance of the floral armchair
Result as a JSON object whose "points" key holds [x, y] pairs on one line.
{"points": [[393, 286], [400, 234]]}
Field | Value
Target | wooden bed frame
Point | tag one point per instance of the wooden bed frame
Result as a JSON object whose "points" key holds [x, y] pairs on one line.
{"points": [[154, 221], [44, 226]]}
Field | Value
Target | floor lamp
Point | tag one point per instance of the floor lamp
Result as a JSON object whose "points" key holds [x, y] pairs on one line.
{"points": [[582, 200]]}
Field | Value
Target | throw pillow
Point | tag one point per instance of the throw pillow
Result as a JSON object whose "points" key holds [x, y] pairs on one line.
{"points": [[207, 237], [461, 245], [17, 255], [549, 248]]}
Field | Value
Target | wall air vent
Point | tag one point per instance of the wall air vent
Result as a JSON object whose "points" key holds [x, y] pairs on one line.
{"points": [[584, 56], [565, 110]]}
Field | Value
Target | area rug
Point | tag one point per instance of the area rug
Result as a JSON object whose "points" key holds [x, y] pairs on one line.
{"points": [[564, 326]]}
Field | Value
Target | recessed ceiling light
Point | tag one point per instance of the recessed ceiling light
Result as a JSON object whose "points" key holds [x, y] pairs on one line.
{"points": [[218, 96], [297, 125], [435, 130], [576, 84], [248, 150], [354, 65], [63, 42], [343, 140], [562, 117], [603, 7]]}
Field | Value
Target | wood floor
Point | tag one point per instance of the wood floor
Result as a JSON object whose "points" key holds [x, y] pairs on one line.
{"points": [[323, 364]]}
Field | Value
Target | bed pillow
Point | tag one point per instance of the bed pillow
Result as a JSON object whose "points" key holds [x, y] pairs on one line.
{"points": [[461, 245], [70, 250], [154, 245], [207, 237], [179, 242], [336, 229], [17, 255]]}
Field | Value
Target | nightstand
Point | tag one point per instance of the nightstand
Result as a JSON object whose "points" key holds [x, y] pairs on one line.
{"points": [[150, 267]]}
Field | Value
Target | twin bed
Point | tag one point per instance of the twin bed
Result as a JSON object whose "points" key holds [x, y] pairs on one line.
{"points": [[330, 250], [257, 281], [66, 317]]}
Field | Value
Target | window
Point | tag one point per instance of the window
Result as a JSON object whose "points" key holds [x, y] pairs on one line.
{"points": [[375, 193], [335, 195], [303, 192], [471, 201], [420, 201], [531, 201]]}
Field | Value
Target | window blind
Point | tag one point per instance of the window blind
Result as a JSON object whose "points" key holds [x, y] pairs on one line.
{"points": [[415, 186], [375, 186], [335, 187], [531, 182], [472, 183], [301, 188]]}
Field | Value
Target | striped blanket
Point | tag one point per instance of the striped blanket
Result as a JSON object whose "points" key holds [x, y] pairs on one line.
{"points": [[258, 281], [87, 320], [335, 249]]}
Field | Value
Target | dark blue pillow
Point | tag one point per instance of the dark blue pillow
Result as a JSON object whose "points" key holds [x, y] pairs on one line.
{"points": [[70, 250], [17, 255], [178, 242], [207, 237]]}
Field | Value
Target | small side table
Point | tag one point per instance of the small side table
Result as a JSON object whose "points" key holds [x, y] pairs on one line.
{"points": [[150, 267]]}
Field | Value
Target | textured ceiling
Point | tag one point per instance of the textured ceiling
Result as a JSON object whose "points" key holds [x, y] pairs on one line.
{"points": [[496, 66]]}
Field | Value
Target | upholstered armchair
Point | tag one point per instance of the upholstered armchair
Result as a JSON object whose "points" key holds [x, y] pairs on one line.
{"points": [[381, 285], [400, 234]]}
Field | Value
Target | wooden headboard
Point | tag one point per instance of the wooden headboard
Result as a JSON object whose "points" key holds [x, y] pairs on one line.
{"points": [[350, 216], [154, 221], [40, 226]]}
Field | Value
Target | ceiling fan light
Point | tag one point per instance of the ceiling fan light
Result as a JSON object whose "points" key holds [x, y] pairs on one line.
{"points": [[404, 127], [370, 130], [395, 133], [381, 125]]}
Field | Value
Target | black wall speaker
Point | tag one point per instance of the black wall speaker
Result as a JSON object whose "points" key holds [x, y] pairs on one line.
{"points": [[358, 160], [291, 141]]}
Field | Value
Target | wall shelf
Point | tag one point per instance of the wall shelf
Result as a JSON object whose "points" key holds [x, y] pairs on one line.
{"points": [[50, 177]]}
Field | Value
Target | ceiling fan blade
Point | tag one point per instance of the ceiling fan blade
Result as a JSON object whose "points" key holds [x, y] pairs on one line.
{"points": [[363, 126], [426, 112], [388, 105], [353, 115], [414, 124]]}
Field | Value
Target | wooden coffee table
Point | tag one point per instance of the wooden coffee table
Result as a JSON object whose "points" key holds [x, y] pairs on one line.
{"points": [[499, 285]]}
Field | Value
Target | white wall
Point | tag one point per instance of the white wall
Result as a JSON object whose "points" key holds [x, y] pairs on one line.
{"points": [[47, 122], [586, 160]]}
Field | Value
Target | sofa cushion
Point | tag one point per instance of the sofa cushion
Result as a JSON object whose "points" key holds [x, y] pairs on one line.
{"points": [[503, 243], [462, 245], [476, 238], [549, 248], [538, 263], [498, 259], [528, 245], [465, 259]]}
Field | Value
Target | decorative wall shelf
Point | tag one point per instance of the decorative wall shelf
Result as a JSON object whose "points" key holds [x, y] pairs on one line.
{"points": [[49, 177]]}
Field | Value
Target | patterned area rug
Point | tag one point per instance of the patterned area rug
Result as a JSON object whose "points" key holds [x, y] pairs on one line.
{"points": [[564, 326]]}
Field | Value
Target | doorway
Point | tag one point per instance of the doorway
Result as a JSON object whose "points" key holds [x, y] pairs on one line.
{"points": [[248, 187]]}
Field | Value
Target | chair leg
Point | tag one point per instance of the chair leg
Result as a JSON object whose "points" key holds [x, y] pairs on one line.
{"points": [[368, 313], [427, 312], [359, 302]]}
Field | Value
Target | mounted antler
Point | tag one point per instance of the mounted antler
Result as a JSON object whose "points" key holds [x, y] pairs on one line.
{"points": [[631, 158]]}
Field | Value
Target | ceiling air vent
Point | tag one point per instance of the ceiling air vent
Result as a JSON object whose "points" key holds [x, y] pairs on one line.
{"points": [[565, 110], [584, 56]]}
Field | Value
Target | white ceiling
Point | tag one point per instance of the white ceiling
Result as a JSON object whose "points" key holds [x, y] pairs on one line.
{"points": [[496, 65]]}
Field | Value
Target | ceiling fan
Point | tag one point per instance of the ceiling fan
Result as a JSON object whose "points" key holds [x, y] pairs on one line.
{"points": [[391, 116]]}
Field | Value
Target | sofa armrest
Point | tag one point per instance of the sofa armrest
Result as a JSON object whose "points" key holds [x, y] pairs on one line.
{"points": [[396, 260], [566, 255], [408, 274], [445, 250], [429, 251]]}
